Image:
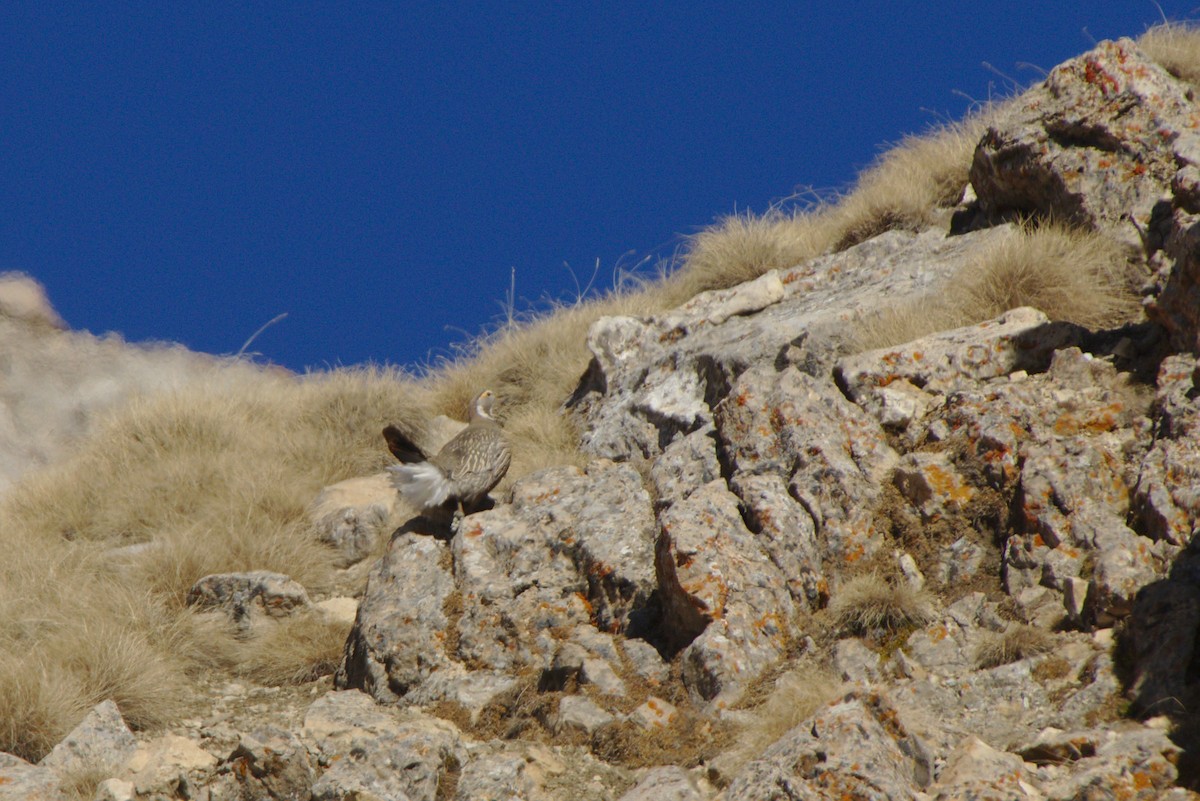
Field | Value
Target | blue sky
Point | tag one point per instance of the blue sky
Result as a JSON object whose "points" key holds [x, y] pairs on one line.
{"points": [[381, 171]]}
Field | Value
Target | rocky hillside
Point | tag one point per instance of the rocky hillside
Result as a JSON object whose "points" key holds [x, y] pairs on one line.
{"points": [[56, 382], [793, 565]]}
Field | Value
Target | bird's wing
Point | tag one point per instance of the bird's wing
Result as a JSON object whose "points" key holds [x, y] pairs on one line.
{"points": [[476, 459], [402, 447]]}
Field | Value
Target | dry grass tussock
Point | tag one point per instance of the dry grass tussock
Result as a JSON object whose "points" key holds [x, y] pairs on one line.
{"points": [[62, 655], [1069, 274], [1019, 641], [81, 782], [909, 187], [872, 603], [294, 650], [1176, 47], [742, 247], [912, 184], [102, 548], [797, 696]]}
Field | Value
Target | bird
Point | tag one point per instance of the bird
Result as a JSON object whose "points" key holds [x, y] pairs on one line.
{"points": [[464, 471]]}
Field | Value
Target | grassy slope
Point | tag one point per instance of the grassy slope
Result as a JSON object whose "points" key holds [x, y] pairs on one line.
{"points": [[209, 482]]}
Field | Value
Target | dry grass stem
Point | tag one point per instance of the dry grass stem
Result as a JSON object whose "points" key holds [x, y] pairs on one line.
{"points": [[872, 603], [1069, 274], [910, 183], [1176, 47], [295, 650], [1016, 643]]}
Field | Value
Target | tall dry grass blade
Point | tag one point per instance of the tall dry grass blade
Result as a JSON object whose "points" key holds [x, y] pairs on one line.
{"points": [[1176, 47], [1069, 274], [910, 183]]}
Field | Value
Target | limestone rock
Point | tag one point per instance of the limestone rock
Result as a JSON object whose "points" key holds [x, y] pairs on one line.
{"points": [[656, 379], [21, 781], [1166, 500], [855, 661], [574, 549], [512, 770], [355, 514], [833, 456], [1097, 143], [976, 770], [1063, 443], [855, 748], [249, 597], [602, 676], [370, 750], [1127, 761], [645, 661], [1020, 339], [603, 521], [579, 714], [654, 714], [668, 783], [1005, 705], [101, 741], [932, 484], [947, 646], [117, 790], [721, 593], [686, 463], [515, 586], [786, 533], [272, 763], [961, 561], [496, 777], [397, 640], [167, 763]]}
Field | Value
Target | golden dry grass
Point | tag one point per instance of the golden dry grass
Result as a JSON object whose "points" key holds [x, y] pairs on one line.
{"points": [[909, 187], [1176, 47], [911, 183], [1069, 274], [80, 782], [742, 247], [295, 650], [104, 546], [872, 603], [1019, 641], [797, 695], [64, 655]]}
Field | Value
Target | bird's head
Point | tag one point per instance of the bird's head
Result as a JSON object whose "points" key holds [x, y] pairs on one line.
{"points": [[482, 405]]}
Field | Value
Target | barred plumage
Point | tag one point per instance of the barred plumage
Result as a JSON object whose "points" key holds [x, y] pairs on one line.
{"points": [[465, 470]]}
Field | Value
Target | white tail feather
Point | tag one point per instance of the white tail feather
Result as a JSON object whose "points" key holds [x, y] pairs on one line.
{"points": [[423, 485]]}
